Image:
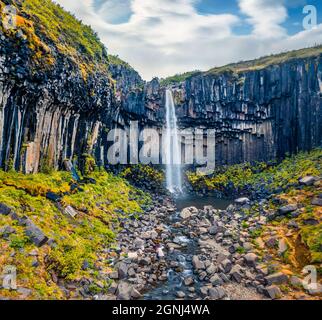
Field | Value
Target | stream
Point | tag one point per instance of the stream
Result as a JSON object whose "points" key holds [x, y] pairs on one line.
{"points": [[182, 258]]}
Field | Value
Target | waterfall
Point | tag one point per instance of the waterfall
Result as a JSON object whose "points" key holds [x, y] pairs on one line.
{"points": [[172, 147]]}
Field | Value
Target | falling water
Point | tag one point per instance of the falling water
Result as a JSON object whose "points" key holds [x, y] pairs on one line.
{"points": [[173, 154]]}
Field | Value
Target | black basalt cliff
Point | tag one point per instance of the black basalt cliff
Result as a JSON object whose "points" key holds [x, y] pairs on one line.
{"points": [[259, 114], [59, 99]]}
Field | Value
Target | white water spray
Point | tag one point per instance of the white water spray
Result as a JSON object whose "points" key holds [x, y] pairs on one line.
{"points": [[172, 147]]}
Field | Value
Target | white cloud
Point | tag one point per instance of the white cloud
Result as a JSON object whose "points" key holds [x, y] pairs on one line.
{"points": [[164, 37], [266, 16]]}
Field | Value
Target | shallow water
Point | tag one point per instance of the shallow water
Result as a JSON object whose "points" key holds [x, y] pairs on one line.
{"points": [[167, 290]]}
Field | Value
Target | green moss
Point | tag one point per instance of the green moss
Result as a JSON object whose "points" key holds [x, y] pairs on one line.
{"points": [[178, 78], [238, 177], [74, 240]]}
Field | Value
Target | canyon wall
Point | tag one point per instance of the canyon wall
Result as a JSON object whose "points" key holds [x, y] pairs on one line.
{"points": [[57, 105], [259, 115]]}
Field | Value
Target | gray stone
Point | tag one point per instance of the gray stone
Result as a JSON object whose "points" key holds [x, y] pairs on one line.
{"points": [[197, 264], [6, 231], [276, 278], [122, 269], [135, 294], [216, 280], [4, 209], [124, 291], [287, 209], [113, 275], [188, 281], [296, 282], [213, 230], [216, 293], [227, 265], [35, 235], [317, 202], [272, 292], [186, 213], [236, 273], [307, 181], [251, 259]]}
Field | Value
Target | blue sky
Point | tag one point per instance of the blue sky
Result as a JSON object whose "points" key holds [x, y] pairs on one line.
{"points": [[164, 37]]}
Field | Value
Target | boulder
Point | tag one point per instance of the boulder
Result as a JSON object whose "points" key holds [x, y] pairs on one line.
{"points": [[216, 280], [197, 264], [35, 234], [287, 209], [276, 278], [188, 281], [216, 293], [317, 202], [236, 273], [307, 181], [251, 259], [180, 294], [272, 292], [122, 269], [227, 265], [124, 291], [4, 209], [188, 212]]}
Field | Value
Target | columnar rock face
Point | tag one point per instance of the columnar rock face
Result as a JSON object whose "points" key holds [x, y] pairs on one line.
{"points": [[47, 116], [258, 114], [54, 107]]}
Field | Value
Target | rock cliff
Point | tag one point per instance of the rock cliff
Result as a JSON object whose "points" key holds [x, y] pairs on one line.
{"points": [[60, 94]]}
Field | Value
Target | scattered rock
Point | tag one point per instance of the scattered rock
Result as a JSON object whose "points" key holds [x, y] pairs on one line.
{"points": [[276, 278], [35, 235], [272, 292], [4, 210], [307, 181], [180, 294], [317, 202], [123, 291], [227, 265], [251, 259], [197, 264], [242, 201], [287, 209], [282, 247]]}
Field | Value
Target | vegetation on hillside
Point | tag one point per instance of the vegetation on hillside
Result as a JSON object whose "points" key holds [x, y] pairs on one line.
{"points": [[180, 77], [305, 245], [242, 177], [78, 247]]}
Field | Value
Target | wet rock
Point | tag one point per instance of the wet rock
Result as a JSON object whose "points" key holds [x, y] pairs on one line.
{"points": [[272, 292], [188, 281], [180, 294], [188, 212], [135, 294], [276, 278], [242, 201]]}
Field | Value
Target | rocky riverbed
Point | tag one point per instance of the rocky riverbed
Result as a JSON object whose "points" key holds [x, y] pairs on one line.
{"points": [[195, 254]]}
